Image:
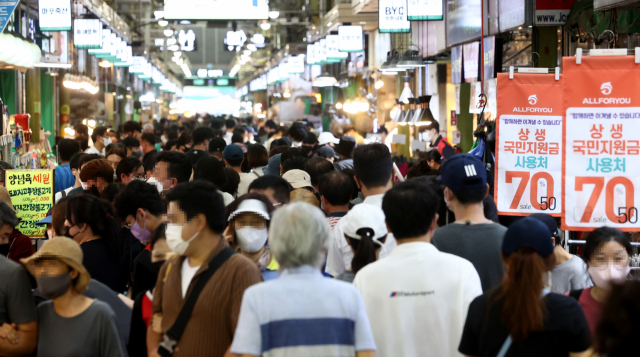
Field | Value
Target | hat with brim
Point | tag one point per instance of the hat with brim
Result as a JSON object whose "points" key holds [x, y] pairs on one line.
{"points": [[251, 206], [326, 138], [298, 178], [47, 219], [65, 250]]}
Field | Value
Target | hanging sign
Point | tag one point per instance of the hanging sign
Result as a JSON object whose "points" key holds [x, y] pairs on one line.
{"points": [[456, 64], [392, 16], [601, 178], [555, 12], [31, 194], [87, 33], [54, 15], [350, 39], [6, 10], [283, 71], [311, 54], [425, 10], [333, 54], [529, 149], [296, 64], [323, 51], [471, 57]]}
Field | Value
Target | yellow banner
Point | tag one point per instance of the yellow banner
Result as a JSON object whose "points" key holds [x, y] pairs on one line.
{"points": [[31, 193]]}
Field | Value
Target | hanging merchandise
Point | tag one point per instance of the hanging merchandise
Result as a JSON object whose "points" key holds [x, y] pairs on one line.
{"points": [[529, 144], [601, 177], [392, 16]]}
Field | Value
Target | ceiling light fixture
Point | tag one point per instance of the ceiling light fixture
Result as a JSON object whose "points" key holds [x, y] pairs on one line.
{"points": [[265, 26], [274, 14], [168, 32], [163, 23]]}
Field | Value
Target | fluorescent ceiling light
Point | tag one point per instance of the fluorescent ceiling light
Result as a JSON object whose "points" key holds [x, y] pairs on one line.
{"points": [[53, 65]]}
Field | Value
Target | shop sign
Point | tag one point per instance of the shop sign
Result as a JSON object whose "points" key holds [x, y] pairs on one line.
{"points": [[323, 51], [296, 64], [463, 20], [138, 66], [555, 12], [31, 193], [392, 16], [6, 10], [87, 33], [106, 44], [601, 176], [54, 15], [492, 56], [425, 10], [318, 54], [333, 54], [272, 76], [456, 64], [283, 71], [350, 39], [529, 144], [187, 40], [235, 40], [311, 54], [511, 14], [471, 55], [205, 73]]}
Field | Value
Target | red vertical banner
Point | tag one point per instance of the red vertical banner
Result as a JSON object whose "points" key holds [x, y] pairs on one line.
{"points": [[602, 143], [529, 144]]}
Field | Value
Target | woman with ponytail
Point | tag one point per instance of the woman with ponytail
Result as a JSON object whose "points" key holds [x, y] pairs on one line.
{"points": [[520, 317], [98, 233], [365, 231]]}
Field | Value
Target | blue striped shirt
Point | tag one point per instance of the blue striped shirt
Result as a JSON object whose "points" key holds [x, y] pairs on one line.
{"points": [[302, 313]]}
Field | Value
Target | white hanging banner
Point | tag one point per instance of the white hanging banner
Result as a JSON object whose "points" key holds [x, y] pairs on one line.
{"points": [[296, 64], [350, 39], [87, 33], [425, 10], [333, 55], [323, 50], [392, 16], [311, 54], [54, 15]]}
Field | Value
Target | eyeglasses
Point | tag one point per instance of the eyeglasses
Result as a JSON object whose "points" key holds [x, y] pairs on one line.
{"points": [[140, 178]]}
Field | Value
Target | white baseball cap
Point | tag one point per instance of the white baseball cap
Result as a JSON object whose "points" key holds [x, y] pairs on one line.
{"points": [[326, 138], [365, 216], [251, 206], [298, 178]]}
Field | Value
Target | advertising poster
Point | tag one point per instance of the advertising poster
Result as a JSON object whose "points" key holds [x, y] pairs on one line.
{"points": [[529, 149], [31, 194], [601, 176], [471, 56]]}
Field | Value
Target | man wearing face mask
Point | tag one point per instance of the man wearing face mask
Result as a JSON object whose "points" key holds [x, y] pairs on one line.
{"points": [[101, 140], [437, 141], [132, 147], [472, 236], [141, 208], [171, 168], [249, 218], [70, 324], [98, 174], [76, 168], [194, 231]]}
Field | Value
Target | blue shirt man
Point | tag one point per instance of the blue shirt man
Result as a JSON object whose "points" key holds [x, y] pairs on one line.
{"points": [[63, 178]]}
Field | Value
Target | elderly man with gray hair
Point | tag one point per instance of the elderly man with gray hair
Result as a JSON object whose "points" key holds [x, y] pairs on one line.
{"points": [[302, 312]]}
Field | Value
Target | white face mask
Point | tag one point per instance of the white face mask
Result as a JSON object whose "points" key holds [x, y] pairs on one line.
{"points": [[251, 239], [428, 135], [174, 239], [603, 276], [152, 180], [106, 141]]}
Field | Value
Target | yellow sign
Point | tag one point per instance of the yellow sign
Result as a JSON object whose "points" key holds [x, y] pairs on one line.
{"points": [[36, 107], [31, 193], [65, 109]]}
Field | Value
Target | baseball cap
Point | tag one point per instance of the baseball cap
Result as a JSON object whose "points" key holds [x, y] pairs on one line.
{"points": [[251, 130], [251, 206], [326, 138], [233, 152], [326, 152], [297, 178], [464, 172], [47, 219], [217, 145], [273, 168], [527, 232], [549, 222], [365, 220], [346, 145]]}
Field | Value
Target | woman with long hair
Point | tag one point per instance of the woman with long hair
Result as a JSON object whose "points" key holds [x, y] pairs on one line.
{"points": [[249, 218], [606, 254], [520, 317], [99, 236]]}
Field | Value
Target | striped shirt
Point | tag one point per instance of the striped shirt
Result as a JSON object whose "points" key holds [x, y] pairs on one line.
{"points": [[302, 314], [210, 329]]}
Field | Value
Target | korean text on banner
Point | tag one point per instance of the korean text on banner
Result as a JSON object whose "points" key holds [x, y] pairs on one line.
{"points": [[601, 143], [31, 194], [529, 150]]}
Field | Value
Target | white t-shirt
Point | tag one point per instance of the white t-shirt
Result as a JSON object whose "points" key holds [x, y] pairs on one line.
{"points": [[93, 150], [340, 255], [187, 274], [417, 300], [227, 137], [226, 197], [58, 195], [245, 180]]}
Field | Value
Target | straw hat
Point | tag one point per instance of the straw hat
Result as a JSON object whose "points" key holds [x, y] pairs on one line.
{"points": [[6, 198], [66, 250]]}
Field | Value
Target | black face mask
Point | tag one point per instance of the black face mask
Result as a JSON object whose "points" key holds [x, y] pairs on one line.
{"points": [[4, 249], [136, 154], [93, 190], [306, 149], [155, 267]]}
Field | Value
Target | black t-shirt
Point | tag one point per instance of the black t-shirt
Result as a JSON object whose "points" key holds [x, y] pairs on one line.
{"points": [[566, 330], [101, 267], [195, 156]]}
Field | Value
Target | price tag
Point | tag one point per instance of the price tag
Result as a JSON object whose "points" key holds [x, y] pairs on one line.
{"points": [[31, 194], [529, 150], [602, 153], [418, 145]]}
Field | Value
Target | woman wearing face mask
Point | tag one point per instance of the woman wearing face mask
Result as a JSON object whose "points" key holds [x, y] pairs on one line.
{"points": [[98, 174], [70, 324], [130, 169], [607, 254], [249, 218], [99, 236]]}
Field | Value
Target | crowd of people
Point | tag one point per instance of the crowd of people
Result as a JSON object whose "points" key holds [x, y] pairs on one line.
{"points": [[226, 238]]}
